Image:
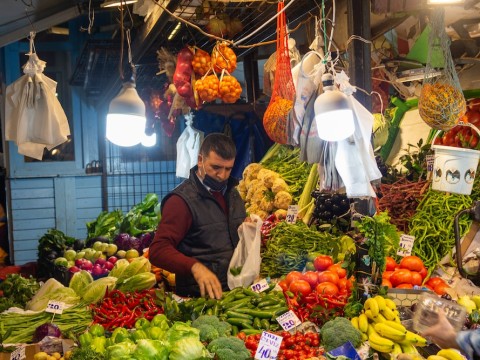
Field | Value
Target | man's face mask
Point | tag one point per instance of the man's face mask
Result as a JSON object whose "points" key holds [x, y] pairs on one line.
{"points": [[213, 184]]}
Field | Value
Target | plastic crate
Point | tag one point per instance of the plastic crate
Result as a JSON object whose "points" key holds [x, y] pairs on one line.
{"points": [[406, 297]]}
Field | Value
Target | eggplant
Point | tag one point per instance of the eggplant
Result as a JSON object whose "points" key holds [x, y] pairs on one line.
{"points": [[78, 245]]}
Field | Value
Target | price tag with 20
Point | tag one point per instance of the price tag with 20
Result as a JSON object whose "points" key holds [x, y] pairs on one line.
{"points": [[289, 320], [55, 307]]}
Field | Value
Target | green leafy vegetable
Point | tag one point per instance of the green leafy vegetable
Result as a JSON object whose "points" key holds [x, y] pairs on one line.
{"points": [[17, 290], [142, 218], [106, 224]]}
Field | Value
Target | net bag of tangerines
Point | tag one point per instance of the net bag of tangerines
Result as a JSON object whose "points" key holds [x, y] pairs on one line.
{"points": [[281, 102], [441, 102]]}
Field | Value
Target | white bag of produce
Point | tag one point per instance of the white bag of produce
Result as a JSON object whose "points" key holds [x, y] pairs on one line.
{"points": [[188, 145], [245, 263]]}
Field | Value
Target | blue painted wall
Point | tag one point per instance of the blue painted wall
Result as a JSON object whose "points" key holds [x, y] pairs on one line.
{"points": [[44, 195]]}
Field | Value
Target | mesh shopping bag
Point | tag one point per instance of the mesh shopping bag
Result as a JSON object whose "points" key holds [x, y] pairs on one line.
{"points": [[441, 102], [283, 94]]}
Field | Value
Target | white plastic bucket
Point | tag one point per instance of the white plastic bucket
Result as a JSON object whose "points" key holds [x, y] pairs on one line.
{"points": [[454, 168]]}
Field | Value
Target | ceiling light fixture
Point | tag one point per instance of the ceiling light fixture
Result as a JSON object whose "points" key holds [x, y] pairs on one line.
{"points": [[116, 3], [444, 2], [126, 114], [333, 115]]}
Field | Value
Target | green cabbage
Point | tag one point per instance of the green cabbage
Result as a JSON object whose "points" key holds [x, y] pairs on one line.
{"points": [[121, 350], [119, 268], [181, 330], [80, 280], [63, 294], [150, 349], [95, 291], [188, 349]]}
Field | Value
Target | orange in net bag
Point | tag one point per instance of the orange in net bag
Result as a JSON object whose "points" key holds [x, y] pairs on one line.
{"points": [[441, 102], [281, 103]]}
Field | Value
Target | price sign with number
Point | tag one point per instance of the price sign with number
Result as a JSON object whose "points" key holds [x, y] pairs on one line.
{"points": [[406, 245], [430, 161], [268, 346], [18, 353], [55, 307], [292, 214], [289, 320], [260, 286]]}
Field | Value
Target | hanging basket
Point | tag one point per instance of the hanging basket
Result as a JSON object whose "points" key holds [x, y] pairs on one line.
{"points": [[454, 168]]}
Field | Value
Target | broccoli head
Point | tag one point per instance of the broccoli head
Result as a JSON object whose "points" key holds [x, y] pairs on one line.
{"points": [[211, 327], [229, 348], [336, 332]]}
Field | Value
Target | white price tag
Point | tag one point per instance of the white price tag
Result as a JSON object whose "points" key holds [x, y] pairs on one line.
{"points": [[177, 298], [288, 320], [18, 353], [260, 286], [406, 245], [55, 307], [292, 214], [268, 346], [430, 159]]}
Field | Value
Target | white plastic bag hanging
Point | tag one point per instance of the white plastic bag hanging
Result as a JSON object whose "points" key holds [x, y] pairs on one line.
{"points": [[34, 118], [354, 159], [244, 266], [188, 146]]}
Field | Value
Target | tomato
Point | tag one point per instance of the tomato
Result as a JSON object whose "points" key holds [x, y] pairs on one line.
{"points": [[387, 283], [341, 272], [326, 288], [300, 287], [401, 276], [311, 277], [441, 289], [390, 263], [322, 262], [423, 272], [434, 281], [283, 284], [386, 275], [328, 276], [292, 276], [412, 263], [404, 286], [473, 117], [342, 284], [416, 278]]}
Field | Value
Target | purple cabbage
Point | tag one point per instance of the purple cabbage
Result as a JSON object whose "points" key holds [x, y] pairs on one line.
{"points": [[146, 239], [47, 329], [126, 242], [122, 241]]}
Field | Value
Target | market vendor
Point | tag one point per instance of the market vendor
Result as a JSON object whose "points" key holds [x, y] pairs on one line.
{"points": [[197, 234]]}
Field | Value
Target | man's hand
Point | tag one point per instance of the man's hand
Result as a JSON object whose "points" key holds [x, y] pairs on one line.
{"points": [[207, 281], [442, 333]]}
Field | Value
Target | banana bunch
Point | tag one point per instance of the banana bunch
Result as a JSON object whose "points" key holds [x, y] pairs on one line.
{"points": [[380, 324], [447, 354]]}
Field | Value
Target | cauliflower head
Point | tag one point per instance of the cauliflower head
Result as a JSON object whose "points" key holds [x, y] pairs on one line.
{"points": [[279, 185], [282, 200]]}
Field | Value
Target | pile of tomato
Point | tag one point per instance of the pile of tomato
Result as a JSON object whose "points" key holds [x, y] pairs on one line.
{"points": [[463, 136], [410, 272], [318, 295], [298, 346], [327, 279]]}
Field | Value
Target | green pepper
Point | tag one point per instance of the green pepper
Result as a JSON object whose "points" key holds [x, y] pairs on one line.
{"points": [[139, 334], [142, 323], [96, 330], [120, 335], [161, 321], [98, 344], [85, 339]]}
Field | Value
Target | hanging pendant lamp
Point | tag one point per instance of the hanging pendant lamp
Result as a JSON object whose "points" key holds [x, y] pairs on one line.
{"points": [[333, 115]]}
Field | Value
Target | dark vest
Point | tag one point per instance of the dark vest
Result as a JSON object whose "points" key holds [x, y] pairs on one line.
{"points": [[213, 235]]}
